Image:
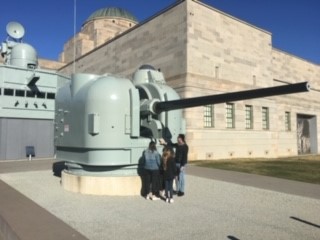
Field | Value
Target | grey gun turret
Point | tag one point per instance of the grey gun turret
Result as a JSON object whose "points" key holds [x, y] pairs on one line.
{"points": [[105, 122]]}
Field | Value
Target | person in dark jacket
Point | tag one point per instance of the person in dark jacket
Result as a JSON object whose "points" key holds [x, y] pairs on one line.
{"points": [[181, 159], [169, 172], [152, 166]]}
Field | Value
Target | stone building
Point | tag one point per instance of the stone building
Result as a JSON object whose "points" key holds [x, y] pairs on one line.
{"points": [[101, 26], [203, 51]]}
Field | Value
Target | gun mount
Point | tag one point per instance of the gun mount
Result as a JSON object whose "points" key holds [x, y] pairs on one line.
{"points": [[103, 123]]}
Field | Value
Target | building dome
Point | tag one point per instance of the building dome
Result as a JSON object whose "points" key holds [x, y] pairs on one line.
{"points": [[111, 12]]}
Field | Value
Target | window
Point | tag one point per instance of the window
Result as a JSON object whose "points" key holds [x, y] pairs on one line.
{"points": [[51, 95], [208, 116], [20, 93], [230, 115], [30, 94], [8, 92], [287, 120], [217, 72], [41, 94], [265, 118], [249, 117], [27, 93]]}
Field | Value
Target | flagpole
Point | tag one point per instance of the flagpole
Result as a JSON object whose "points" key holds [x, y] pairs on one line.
{"points": [[74, 34]]}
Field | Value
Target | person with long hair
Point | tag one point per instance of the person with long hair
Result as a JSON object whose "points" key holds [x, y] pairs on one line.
{"points": [[169, 173], [151, 166], [181, 158]]}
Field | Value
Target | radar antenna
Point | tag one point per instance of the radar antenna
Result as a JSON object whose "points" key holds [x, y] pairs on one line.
{"points": [[15, 30]]}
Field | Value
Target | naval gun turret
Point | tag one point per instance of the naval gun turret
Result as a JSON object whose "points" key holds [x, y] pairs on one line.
{"points": [[103, 123]]}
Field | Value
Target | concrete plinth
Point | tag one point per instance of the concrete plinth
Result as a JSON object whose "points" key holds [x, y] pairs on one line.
{"points": [[102, 185]]}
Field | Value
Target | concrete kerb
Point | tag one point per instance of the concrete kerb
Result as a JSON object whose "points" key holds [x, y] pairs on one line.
{"points": [[21, 218]]}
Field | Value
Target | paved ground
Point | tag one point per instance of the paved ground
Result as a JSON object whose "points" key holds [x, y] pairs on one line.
{"points": [[21, 217], [214, 207]]}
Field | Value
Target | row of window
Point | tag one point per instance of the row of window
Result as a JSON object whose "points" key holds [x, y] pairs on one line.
{"points": [[26, 93], [114, 21], [230, 117]]}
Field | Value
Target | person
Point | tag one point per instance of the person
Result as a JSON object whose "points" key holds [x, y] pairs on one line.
{"points": [[151, 166], [169, 173], [181, 159], [161, 177]]}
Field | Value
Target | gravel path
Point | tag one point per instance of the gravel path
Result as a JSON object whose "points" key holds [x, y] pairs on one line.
{"points": [[210, 209]]}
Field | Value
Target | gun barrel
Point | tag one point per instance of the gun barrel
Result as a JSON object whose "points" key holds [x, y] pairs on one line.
{"points": [[231, 97]]}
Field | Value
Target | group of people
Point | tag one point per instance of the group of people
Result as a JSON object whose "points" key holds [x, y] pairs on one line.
{"points": [[160, 171]]}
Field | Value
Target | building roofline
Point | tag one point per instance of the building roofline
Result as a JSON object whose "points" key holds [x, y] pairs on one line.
{"points": [[126, 32], [107, 17], [167, 9], [295, 56], [233, 17]]}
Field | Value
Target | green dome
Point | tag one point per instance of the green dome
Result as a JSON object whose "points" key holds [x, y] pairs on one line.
{"points": [[112, 12]]}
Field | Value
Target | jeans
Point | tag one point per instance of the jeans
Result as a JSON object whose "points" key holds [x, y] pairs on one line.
{"points": [[151, 177], [180, 180], [169, 188]]}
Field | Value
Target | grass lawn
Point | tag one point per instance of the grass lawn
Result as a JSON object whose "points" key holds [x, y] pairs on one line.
{"points": [[301, 168]]}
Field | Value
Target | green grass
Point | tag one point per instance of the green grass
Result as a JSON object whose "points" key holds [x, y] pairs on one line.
{"points": [[302, 168]]}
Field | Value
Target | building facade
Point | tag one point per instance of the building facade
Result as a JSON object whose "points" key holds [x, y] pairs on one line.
{"points": [[101, 26], [204, 51]]}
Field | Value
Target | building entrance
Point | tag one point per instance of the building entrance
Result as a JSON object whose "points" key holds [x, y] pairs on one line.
{"points": [[307, 134]]}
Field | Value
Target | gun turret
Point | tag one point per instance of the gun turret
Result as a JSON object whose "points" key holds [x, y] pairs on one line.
{"points": [[104, 123]]}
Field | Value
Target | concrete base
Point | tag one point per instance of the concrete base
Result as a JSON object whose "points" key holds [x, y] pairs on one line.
{"points": [[104, 185]]}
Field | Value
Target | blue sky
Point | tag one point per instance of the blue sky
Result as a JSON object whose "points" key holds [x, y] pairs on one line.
{"points": [[294, 24]]}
